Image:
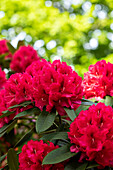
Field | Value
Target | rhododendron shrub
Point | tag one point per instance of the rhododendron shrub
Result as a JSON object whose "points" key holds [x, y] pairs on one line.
{"points": [[4, 49], [92, 134], [33, 154], [98, 81], [45, 118], [23, 57]]}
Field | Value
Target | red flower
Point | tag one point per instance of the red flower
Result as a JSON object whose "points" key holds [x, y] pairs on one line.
{"points": [[3, 107], [4, 49], [55, 85], [92, 134], [98, 81], [105, 156], [36, 67], [62, 68], [33, 154], [22, 58], [2, 78], [17, 89]]}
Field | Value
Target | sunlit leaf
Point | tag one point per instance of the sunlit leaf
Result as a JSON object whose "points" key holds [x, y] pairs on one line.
{"points": [[11, 48]]}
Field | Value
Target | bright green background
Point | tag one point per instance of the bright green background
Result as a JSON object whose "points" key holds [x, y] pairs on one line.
{"points": [[73, 26]]}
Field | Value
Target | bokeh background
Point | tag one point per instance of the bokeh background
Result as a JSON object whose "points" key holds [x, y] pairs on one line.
{"points": [[76, 31]]}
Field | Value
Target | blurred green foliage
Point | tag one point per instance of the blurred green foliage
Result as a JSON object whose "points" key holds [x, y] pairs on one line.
{"points": [[78, 31]]}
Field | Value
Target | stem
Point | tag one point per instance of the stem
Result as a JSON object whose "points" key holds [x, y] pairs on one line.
{"points": [[21, 124], [53, 130], [27, 118], [55, 124], [64, 140], [60, 120]]}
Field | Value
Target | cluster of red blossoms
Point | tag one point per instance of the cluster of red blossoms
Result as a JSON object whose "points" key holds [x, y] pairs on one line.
{"points": [[98, 81], [2, 78], [22, 58], [92, 134], [54, 86], [4, 49], [17, 89], [33, 154]]}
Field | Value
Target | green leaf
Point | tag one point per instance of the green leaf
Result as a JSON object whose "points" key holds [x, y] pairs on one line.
{"points": [[2, 157], [26, 112], [11, 126], [2, 134], [5, 168], [67, 121], [75, 165], [20, 43], [87, 102], [12, 159], [71, 166], [3, 128], [6, 113], [58, 155], [80, 108], [7, 128], [92, 165], [44, 121], [3, 55], [24, 138], [11, 48], [108, 101], [55, 135], [70, 113], [24, 104], [82, 166]]}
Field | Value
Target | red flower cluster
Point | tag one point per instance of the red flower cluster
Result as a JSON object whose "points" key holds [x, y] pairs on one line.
{"points": [[33, 154], [22, 58], [92, 134], [98, 81], [2, 78], [55, 85], [17, 90], [4, 49]]}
